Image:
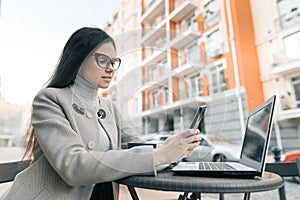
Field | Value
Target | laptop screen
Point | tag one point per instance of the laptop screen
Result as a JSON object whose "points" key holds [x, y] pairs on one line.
{"points": [[257, 135]]}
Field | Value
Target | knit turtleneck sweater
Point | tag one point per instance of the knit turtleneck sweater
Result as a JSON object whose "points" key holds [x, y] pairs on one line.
{"points": [[85, 89], [87, 94]]}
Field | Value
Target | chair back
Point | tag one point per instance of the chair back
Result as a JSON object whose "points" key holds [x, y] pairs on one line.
{"points": [[285, 169], [8, 171]]}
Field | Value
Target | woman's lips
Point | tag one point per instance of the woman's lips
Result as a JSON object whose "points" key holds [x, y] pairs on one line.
{"points": [[107, 78]]}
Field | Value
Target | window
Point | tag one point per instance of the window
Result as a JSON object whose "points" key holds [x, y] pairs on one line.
{"points": [[193, 55], [182, 57], [289, 12], [190, 55], [196, 85], [154, 98], [214, 44], [292, 46], [154, 74], [296, 87], [217, 81], [211, 14], [190, 23], [166, 96]]}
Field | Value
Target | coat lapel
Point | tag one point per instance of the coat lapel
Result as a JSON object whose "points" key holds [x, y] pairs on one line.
{"points": [[109, 125]]}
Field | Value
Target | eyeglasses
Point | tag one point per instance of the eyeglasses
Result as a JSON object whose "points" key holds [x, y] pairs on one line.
{"points": [[104, 61]]}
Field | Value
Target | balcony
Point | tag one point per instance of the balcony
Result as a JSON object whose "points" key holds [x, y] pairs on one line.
{"points": [[185, 38], [288, 19], [157, 73], [184, 94], [289, 114], [151, 34], [154, 84], [283, 66], [154, 9], [183, 9], [215, 52], [157, 55], [187, 68], [211, 20]]}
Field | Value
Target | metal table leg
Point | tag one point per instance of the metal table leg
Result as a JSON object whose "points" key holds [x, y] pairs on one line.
{"points": [[184, 196], [282, 193], [133, 193], [247, 196]]}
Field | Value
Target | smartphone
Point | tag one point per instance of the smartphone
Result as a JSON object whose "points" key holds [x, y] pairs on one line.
{"points": [[198, 117]]}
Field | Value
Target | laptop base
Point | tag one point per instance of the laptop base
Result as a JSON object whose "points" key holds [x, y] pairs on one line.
{"points": [[218, 174]]}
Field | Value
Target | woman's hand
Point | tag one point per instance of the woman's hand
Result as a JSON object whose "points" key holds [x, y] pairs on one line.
{"points": [[176, 147]]}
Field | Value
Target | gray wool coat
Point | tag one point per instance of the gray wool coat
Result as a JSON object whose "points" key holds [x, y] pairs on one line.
{"points": [[67, 160]]}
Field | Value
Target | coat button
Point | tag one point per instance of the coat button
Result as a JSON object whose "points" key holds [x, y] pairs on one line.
{"points": [[91, 144], [89, 115]]}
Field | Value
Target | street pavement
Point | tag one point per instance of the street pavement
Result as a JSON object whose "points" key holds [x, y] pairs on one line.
{"points": [[292, 188]]}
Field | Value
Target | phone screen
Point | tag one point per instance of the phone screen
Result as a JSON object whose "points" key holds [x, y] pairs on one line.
{"points": [[198, 117]]}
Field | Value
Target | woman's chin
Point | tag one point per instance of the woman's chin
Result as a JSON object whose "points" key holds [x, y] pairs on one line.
{"points": [[103, 86]]}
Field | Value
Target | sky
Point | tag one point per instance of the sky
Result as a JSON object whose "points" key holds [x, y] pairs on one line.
{"points": [[32, 36]]}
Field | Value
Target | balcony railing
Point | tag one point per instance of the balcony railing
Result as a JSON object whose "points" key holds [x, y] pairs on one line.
{"points": [[280, 59], [155, 76], [211, 20], [184, 94], [188, 36], [182, 9], [288, 19], [152, 10], [215, 52]]}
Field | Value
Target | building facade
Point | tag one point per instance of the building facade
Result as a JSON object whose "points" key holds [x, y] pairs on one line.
{"points": [[194, 52], [277, 39]]}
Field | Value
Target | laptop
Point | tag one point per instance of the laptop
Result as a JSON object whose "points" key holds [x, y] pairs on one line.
{"points": [[253, 153]]}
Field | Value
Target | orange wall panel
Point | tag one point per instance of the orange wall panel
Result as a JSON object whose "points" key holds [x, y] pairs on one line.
{"points": [[204, 84], [175, 88], [200, 20], [174, 58], [246, 52], [149, 100], [171, 6], [172, 30], [229, 72], [144, 100], [160, 98]]}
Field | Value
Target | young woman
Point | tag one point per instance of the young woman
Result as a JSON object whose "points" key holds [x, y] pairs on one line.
{"points": [[75, 135]]}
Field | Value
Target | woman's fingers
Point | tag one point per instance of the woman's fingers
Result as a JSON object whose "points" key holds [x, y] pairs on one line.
{"points": [[193, 138], [189, 132], [177, 146]]}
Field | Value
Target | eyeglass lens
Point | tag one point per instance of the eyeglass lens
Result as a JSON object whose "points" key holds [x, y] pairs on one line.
{"points": [[104, 61]]}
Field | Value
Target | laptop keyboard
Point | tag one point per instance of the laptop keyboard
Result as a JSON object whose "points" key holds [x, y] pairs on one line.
{"points": [[215, 166]]}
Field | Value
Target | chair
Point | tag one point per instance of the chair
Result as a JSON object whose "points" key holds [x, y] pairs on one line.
{"points": [[284, 169], [8, 171]]}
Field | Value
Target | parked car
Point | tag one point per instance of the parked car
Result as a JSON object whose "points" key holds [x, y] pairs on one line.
{"points": [[214, 148], [290, 156]]}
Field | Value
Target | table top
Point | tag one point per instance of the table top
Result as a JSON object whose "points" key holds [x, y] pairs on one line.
{"points": [[169, 181]]}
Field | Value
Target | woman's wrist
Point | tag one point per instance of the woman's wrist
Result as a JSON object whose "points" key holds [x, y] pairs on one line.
{"points": [[158, 158]]}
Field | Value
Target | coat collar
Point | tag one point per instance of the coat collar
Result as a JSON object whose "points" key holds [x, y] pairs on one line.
{"points": [[87, 94]]}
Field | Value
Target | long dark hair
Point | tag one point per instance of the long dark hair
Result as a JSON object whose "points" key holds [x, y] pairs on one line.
{"points": [[79, 46]]}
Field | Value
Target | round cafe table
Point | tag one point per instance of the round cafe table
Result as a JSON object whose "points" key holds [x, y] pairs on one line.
{"points": [[167, 180]]}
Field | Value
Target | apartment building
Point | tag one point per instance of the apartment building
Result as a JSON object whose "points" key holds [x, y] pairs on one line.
{"points": [[213, 52], [277, 39]]}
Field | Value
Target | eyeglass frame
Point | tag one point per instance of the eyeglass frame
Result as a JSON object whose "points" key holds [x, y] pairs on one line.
{"points": [[111, 61]]}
